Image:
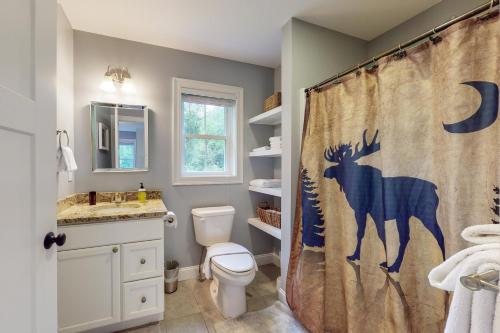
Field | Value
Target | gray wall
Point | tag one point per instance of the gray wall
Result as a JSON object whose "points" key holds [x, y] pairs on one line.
{"points": [[64, 92], [309, 54], [152, 69], [421, 23]]}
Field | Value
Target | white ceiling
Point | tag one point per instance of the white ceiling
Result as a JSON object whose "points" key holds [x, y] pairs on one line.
{"points": [[242, 30]]}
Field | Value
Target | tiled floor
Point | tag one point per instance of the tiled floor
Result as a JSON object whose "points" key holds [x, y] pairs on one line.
{"points": [[191, 310]]}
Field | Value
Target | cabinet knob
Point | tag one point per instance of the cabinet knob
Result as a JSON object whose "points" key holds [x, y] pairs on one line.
{"points": [[143, 261], [143, 299], [115, 250], [51, 238]]}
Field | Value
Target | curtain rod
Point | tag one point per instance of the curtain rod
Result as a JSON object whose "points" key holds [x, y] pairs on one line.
{"points": [[401, 47]]}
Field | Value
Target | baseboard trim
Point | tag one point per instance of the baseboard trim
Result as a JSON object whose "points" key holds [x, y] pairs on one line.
{"points": [[191, 272], [282, 296]]}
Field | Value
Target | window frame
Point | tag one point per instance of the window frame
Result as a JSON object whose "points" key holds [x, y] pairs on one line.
{"points": [[234, 154]]}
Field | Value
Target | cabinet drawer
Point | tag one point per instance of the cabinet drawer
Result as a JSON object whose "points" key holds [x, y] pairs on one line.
{"points": [[142, 298], [142, 260]]}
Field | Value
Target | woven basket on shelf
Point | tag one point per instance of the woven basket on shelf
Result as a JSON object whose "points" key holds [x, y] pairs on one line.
{"points": [[271, 216], [272, 101]]}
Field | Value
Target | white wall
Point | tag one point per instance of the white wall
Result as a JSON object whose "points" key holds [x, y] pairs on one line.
{"points": [[309, 54], [65, 105]]}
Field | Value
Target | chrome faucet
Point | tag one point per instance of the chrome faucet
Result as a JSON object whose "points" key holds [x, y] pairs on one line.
{"points": [[118, 198]]}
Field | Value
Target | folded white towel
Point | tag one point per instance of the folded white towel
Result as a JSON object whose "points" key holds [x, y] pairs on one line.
{"points": [[482, 233], [261, 148], [274, 183], [66, 159], [447, 275], [275, 138], [222, 249]]}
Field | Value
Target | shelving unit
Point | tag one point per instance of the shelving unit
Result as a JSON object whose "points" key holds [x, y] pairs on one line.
{"points": [[266, 190], [269, 229], [271, 118], [265, 153], [268, 118]]}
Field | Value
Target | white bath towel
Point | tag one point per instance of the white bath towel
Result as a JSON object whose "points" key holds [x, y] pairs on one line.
{"points": [[66, 159], [447, 277], [222, 249], [496, 320], [269, 183], [275, 139], [261, 148], [482, 233], [483, 305]]}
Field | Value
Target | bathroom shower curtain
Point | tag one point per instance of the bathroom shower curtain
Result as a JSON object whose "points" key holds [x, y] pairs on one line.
{"points": [[396, 161]]}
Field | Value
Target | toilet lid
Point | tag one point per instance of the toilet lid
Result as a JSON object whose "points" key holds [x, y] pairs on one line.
{"points": [[236, 262]]}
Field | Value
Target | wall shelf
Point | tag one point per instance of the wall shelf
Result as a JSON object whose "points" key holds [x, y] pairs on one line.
{"points": [[266, 190], [265, 153], [271, 117], [269, 229]]}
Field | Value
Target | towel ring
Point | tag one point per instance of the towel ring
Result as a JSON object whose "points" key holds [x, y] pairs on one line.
{"points": [[59, 134]]}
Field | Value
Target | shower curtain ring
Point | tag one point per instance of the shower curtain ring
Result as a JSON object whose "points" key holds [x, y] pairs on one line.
{"points": [[491, 3]]}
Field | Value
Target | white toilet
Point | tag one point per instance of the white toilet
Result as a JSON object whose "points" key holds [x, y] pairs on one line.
{"points": [[233, 268]]}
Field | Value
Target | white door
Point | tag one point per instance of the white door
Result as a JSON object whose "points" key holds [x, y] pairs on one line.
{"points": [[27, 165], [88, 288]]}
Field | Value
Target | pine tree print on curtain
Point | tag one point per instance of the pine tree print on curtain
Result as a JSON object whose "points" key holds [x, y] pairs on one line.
{"points": [[312, 218]]}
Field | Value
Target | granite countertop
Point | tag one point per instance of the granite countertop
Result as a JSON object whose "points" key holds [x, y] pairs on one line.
{"points": [[76, 210]]}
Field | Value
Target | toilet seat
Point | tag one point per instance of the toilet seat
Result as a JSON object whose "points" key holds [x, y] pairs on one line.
{"points": [[234, 262]]}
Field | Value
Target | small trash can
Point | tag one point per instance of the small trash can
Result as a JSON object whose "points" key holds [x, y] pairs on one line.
{"points": [[171, 276]]}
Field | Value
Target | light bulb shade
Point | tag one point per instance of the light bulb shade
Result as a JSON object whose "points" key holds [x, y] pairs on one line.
{"points": [[107, 85], [128, 87]]}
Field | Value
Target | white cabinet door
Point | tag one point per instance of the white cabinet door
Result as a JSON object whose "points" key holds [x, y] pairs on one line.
{"points": [[88, 288], [28, 169]]}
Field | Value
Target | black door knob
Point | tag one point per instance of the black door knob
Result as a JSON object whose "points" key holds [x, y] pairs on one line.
{"points": [[50, 239]]}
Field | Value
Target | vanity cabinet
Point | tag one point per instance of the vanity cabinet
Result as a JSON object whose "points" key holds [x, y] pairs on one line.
{"points": [[110, 276]]}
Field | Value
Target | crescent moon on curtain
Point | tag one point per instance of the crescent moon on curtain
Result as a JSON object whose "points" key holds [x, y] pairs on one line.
{"points": [[485, 115]]}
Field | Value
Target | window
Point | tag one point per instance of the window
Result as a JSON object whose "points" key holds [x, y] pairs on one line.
{"points": [[127, 153], [207, 133]]}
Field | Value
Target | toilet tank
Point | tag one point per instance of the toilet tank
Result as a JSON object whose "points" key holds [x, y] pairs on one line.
{"points": [[213, 224]]}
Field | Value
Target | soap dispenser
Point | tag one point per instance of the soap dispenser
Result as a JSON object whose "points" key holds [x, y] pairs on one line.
{"points": [[141, 193]]}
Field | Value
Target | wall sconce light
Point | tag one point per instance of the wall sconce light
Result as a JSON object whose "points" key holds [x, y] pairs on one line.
{"points": [[117, 75]]}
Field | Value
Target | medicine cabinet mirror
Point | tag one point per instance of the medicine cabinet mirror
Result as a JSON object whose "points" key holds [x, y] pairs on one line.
{"points": [[119, 137]]}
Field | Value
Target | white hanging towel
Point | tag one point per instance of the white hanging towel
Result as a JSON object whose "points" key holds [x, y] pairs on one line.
{"points": [[447, 275], [484, 305], [66, 159], [220, 249], [482, 233], [269, 183]]}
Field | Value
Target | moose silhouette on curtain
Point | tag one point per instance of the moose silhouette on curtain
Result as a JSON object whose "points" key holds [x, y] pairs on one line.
{"points": [[383, 198]]}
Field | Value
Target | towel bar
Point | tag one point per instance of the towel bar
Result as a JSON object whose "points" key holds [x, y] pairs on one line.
{"points": [[487, 280], [59, 134]]}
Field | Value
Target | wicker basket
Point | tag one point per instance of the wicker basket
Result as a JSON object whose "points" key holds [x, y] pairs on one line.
{"points": [[272, 101], [271, 216]]}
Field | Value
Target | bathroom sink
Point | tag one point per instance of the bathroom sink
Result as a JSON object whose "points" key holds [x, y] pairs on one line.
{"points": [[115, 208]]}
